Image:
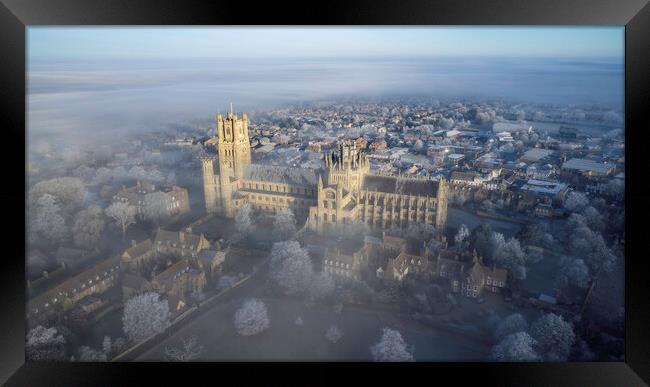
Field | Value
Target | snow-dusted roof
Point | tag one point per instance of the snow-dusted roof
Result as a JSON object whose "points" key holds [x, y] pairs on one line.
{"points": [[279, 174], [586, 165]]}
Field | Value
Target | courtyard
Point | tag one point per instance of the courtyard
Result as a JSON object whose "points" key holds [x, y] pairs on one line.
{"points": [[286, 341]]}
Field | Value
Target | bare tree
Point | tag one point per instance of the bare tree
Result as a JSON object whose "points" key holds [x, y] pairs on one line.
{"points": [[157, 207], [144, 316], [123, 214], [188, 350], [251, 318]]}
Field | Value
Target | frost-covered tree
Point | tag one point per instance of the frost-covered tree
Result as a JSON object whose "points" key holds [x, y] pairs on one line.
{"points": [[118, 345], [284, 224], [244, 221], [391, 347], [46, 221], [144, 316], [157, 207], [123, 214], [481, 239], [516, 347], [510, 255], [69, 192], [554, 337], [461, 238], [84, 173], [45, 344], [102, 175], [537, 234], [615, 188], [589, 245], [291, 267], [593, 219], [87, 354], [299, 321], [573, 272], [446, 123], [251, 318], [509, 325], [322, 286], [333, 334], [88, 227], [188, 350], [487, 205], [576, 201]]}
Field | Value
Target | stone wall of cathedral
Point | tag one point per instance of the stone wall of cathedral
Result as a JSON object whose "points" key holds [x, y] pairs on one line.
{"points": [[331, 204]]}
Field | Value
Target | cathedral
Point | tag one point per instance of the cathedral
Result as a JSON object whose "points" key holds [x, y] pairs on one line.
{"points": [[344, 191]]}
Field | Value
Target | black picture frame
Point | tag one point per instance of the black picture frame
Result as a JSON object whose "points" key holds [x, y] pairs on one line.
{"points": [[16, 15]]}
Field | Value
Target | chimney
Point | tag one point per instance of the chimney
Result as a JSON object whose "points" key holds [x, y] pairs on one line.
{"points": [[133, 242]]}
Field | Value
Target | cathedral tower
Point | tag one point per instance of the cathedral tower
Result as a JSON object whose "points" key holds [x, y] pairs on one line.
{"points": [[346, 166], [211, 191], [233, 144], [234, 155]]}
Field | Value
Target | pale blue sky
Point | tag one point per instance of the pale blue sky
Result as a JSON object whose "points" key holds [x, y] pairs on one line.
{"points": [[88, 43]]}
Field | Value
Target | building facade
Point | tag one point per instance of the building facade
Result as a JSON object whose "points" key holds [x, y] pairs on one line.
{"points": [[178, 203], [343, 192]]}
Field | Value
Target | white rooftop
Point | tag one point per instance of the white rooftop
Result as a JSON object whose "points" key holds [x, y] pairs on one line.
{"points": [[586, 165], [536, 154]]}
